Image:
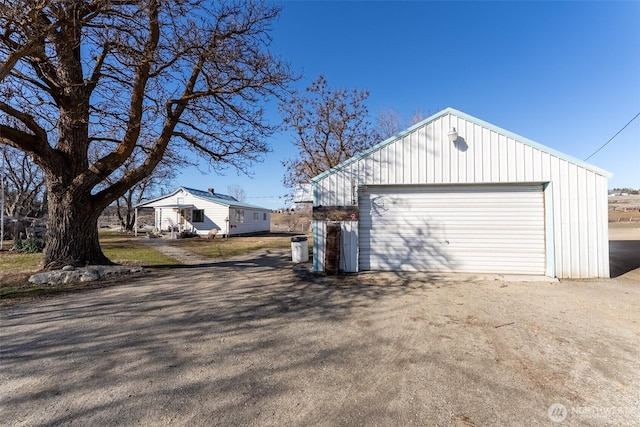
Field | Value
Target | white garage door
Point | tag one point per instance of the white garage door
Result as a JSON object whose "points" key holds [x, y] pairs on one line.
{"points": [[467, 228]]}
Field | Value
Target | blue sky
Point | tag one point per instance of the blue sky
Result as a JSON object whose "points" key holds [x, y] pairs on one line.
{"points": [[564, 74]]}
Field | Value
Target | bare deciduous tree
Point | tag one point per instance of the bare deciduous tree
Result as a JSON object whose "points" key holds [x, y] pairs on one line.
{"points": [[24, 185], [127, 75], [388, 124], [237, 192], [330, 126], [160, 180], [417, 117]]}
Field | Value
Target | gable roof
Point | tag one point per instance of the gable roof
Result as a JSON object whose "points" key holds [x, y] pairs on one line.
{"points": [[221, 199], [460, 114]]}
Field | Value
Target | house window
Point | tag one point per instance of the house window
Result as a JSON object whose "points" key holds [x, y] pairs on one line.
{"points": [[197, 215], [264, 216], [239, 215], [255, 216]]}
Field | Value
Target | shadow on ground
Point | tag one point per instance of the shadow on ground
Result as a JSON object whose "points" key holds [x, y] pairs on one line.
{"points": [[624, 256], [182, 333], [261, 341]]}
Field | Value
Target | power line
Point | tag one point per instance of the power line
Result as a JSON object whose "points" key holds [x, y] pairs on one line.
{"points": [[265, 197], [611, 139]]}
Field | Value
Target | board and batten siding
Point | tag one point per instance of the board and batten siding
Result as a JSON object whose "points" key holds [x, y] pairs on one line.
{"points": [[575, 193]]}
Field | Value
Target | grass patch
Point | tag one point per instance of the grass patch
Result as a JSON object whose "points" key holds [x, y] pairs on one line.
{"points": [[126, 251], [119, 248], [15, 268], [221, 248], [17, 262]]}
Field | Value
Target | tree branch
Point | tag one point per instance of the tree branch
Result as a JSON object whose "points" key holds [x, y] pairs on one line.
{"points": [[97, 68], [15, 56], [113, 160], [36, 143]]}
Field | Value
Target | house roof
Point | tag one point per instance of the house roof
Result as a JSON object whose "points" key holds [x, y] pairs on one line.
{"points": [[465, 116], [222, 199]]}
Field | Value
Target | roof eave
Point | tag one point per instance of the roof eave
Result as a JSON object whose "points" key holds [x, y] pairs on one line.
{"points": [[142, 205]]}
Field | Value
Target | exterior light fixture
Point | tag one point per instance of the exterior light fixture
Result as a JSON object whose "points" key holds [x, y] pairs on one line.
{"points": [[453, 135]]}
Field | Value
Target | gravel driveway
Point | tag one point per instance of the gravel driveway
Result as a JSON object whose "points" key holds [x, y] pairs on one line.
{"points": [[259, 341]]}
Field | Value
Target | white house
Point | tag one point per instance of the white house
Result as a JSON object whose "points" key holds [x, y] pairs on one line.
{"points": [[205, 212], [454, 193]]}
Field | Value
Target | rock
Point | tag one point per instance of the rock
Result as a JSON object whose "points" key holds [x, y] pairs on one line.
{"points": [[70, 277], [57, 277], [89, 276], [94, 269], [39, 278], [69, 274]]}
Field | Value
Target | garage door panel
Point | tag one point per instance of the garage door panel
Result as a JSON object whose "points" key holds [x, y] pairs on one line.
{"points": [[453, 226], [458, 228], [396, 262], [468, 248], [506, 254], [434, 221], [442, 262]]}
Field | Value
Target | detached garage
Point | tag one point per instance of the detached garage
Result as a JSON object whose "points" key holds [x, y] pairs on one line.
{"points": [[456, 194]]}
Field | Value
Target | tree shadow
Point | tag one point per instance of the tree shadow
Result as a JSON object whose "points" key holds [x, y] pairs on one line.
{"points": [[402, 243], [424, 250], [135, 341]]}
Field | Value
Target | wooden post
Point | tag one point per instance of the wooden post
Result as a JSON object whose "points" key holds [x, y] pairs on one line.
{"points": [[332, 250]]}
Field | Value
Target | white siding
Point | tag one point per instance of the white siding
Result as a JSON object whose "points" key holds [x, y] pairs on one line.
{"points": [[486, 154], [249, 224], [216, 216], [348, 245], [166, 218]]}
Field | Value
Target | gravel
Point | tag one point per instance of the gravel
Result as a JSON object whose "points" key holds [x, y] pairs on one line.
{"points": [[259, 341]]}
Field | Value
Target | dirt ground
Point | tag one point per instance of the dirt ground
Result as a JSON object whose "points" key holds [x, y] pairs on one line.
{"points": [[259, 341]]}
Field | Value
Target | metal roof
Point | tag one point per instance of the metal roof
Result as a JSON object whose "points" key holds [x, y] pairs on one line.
{"points": [[222, 199]]}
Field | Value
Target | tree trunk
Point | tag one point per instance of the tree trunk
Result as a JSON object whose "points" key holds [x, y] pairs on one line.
{"points": [[131, 221], [72, 232]]}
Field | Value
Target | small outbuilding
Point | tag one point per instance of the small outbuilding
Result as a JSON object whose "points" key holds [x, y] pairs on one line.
{"points": [[207, 213], [456, 194]]}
